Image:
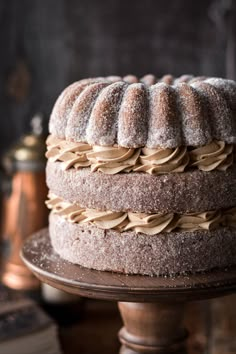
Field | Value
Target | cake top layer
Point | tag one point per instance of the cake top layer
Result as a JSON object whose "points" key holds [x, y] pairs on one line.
{"points": [[167, 112]]}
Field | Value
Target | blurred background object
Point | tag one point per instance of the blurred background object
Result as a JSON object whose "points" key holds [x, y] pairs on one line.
{"points": [[24, 211]]}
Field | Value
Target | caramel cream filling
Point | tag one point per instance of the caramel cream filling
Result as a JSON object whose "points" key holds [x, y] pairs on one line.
{"points": [[114, 159], [216, 155], [150, 224]]}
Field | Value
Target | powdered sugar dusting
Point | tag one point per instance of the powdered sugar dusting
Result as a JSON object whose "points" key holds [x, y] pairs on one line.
{"points": [[64, 105], [220, 115], [80, 115], [164, 128], [186, 192], [132, 118], [227, 89], [61, 109], [102, 127], [166, 112], [196, 128]]}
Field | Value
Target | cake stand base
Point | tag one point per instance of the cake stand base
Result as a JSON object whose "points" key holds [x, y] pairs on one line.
{"points": [[152, 308]]}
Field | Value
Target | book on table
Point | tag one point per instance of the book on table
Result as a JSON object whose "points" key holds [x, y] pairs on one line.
{"points": [[25, 328]]}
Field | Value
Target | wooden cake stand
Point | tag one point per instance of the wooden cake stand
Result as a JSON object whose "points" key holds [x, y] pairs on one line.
{"points": [[152, 308]]}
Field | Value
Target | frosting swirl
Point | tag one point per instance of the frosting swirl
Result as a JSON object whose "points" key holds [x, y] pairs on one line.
{"points": [[71, 154], [106, 219], [149, 224], [216, 155], [114, 159], [157, 161], [70, 212]]}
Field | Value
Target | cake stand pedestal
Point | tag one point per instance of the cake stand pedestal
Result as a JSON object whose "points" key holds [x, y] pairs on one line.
{"points": [[152, 308]]}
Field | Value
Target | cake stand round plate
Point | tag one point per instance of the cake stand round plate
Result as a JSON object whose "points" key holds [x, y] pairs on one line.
{"points": [[39, 256], [152, 308]]}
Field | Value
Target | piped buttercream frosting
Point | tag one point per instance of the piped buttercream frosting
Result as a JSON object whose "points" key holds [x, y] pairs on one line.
{"points": [[114, 159], [150, 224]]}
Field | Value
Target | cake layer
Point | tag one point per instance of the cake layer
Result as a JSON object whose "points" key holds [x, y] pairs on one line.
{"points": [[129, 252], [192, 191], [167, 112]]}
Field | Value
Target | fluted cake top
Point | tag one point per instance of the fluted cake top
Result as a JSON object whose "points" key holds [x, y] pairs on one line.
{"points": [[167, 112]]}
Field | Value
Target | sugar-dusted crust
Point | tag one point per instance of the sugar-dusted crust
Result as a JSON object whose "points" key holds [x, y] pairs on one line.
{"points": [[191, 191], [152, 112], [128, 252]]}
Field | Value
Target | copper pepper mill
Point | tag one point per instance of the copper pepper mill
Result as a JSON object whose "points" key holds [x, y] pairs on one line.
{"points": [[24, 211]]}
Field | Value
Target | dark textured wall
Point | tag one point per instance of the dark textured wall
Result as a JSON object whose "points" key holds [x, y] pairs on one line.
{"points": [[46, 44]]}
